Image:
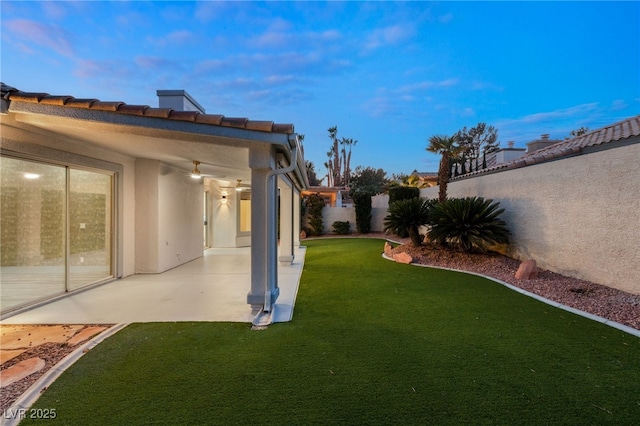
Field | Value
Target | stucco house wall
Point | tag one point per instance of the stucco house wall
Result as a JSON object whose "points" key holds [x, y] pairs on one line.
{"points": [[180, 218], [578, 216], [169, 222], [222, 217]]}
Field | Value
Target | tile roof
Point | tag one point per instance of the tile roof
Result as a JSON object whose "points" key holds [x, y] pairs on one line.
{"points": [[624, 129], [11, 94]]}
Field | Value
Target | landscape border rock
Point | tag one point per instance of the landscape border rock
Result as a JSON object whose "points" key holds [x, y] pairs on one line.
{"points": [[527, 270]]}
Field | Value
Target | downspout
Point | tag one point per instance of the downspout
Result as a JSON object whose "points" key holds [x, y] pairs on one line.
{"points": [[271, 205]]}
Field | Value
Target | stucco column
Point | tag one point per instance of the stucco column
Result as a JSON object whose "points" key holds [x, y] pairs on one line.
{"points": [[264, 265], [286, 223], [296, 218]]}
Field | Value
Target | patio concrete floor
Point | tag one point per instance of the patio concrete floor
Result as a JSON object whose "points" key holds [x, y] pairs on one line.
{"points": [[211, 288]]}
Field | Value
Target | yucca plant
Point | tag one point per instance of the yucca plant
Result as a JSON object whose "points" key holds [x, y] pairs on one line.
{"points": [[468, 223], [407, 216]]}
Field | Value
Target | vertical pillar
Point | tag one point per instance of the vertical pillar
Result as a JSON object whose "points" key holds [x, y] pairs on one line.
{"points": [[296, 217], [286, 222], [264, 265]]}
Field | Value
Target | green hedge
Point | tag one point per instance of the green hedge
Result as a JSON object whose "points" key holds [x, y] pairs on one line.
{"points": [[398, 193]]}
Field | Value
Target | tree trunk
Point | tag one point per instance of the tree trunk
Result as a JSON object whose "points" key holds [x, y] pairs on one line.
{"points": [[414, 235], [443, 177]]}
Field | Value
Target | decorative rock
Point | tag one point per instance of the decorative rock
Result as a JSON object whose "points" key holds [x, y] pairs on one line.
{"points": [[388, 248], [85, 335], [10, 354], [23, 336], [20, 371], [527, 270], [403, 258], [303, 235]]}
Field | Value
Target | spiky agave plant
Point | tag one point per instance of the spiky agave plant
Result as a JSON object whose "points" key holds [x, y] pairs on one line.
{"points": [[468, 223], [407, 216]]}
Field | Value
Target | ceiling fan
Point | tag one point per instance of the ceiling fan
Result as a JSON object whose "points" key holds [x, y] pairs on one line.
{"points": [[196, 173], [240, 186]]}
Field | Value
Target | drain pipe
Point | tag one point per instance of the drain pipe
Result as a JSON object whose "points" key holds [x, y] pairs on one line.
{"points": [[271, 205]]}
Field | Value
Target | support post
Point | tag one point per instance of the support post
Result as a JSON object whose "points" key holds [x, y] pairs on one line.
{"points": [[263, 255], [286, 223], [296, 218]]}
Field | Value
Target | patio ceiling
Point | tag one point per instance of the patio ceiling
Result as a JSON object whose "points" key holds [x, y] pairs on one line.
{"points": [[219, 157]]}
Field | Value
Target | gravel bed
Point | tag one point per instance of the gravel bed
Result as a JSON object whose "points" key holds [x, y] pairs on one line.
{"points": [[51, 353]]}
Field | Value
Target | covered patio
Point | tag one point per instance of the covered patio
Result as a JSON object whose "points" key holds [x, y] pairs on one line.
{"points": [[211, 288], [136, 193]]}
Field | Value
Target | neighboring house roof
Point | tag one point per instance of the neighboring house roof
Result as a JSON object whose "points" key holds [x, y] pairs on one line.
{"points": [[426, 174], [611, 134], [11, 94]]}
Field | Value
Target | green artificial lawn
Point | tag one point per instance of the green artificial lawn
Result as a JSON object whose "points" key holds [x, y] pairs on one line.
{"points": [[371, 342]]}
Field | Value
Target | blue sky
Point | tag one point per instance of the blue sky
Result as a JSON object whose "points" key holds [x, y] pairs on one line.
{"points": [[388, 74]]}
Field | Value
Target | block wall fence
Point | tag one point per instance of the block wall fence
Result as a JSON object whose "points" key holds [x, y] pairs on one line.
{"points": [[577, 216], [348, 214]]}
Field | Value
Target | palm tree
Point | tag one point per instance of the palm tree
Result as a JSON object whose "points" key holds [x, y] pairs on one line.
{"points": [[447, 147], [468, 223], [407, 216], [335, 163]]}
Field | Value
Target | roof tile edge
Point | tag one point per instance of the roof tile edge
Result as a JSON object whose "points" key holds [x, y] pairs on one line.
{"points": [[12, 94]]}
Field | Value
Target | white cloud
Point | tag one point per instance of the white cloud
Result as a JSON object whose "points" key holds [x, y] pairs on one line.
{"points": [[156, 63], [558, 123], [328, 35], [280, 35], [213, 66], [209, 10], [379, 106], [280, 25], [53, 9], [279, 79], [481, 85], [389, 36], [618, 105], [427, 85], [468, 112], [577, 111], [271, 39], [48, 36], [180, 37]]}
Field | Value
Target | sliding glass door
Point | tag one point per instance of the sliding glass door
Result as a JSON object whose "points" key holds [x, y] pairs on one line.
{"points": [[56, 230], [90, 198]]}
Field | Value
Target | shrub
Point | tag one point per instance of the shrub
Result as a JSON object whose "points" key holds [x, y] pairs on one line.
{"points": [[398, 193], [315, 204], [402, 193], [407, 216], [362, 201], [341, 227], [468, 223]]}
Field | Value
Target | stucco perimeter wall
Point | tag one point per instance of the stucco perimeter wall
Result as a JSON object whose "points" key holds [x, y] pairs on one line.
{"points": [[344, 214], [579, 216]]}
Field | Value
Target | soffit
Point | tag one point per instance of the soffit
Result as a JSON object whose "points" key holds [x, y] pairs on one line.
{"points": [[176, 138]]}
